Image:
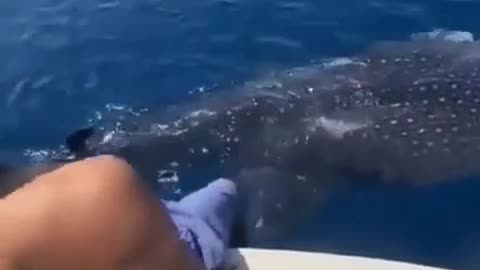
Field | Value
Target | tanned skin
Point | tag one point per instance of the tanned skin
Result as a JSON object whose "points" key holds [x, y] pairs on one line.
{"points": [[91, 214]]}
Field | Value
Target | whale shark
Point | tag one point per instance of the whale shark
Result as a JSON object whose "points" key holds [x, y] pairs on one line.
{"points": [[398, 113], [404, 112]]}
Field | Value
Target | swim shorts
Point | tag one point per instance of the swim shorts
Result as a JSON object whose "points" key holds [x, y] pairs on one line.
{"points": [[205, 218]]}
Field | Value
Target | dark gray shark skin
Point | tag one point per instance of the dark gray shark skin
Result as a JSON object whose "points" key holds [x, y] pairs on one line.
{"points": [[403, 113]]}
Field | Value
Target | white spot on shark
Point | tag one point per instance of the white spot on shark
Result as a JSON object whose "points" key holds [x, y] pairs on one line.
{"points": [[108, 137], [201, 112], [259, 223], [167, 176], [336, 128], [340, 61]]}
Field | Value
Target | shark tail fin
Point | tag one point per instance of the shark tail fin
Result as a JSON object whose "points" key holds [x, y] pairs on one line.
{"points": [[76, 142]]}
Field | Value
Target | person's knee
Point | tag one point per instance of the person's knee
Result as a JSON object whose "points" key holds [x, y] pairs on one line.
{"points": [[105, 198], [104, 175], [97, 201], [101, 169], [99, 183]]}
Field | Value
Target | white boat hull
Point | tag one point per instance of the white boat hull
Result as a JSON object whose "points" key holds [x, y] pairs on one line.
{"points": [[265, 259]]}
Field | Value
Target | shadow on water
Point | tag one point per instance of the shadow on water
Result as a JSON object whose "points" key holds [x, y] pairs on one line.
{"points": [[435, 225]]}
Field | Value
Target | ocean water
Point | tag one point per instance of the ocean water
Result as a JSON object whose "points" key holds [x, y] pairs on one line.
{"points": [[65, 60]]}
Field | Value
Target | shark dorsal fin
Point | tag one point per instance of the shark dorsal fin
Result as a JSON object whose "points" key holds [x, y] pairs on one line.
{"points": [[76, 142]]}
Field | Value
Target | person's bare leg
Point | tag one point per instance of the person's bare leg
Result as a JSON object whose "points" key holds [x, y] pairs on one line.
{"points": [[93, 214]]}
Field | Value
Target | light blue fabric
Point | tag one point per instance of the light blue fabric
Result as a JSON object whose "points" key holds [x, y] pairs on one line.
{"points": [[205, 218]]}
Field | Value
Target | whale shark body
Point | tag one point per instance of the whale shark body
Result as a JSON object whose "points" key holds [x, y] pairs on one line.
{"points": [[400, 112], [404, 113]]}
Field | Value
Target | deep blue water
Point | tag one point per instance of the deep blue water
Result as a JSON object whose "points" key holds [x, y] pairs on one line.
{"points": [[63, 60]]}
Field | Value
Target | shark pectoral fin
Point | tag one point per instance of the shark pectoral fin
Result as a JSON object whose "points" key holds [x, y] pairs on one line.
{"points": [[274, 202], [76, 142]]}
